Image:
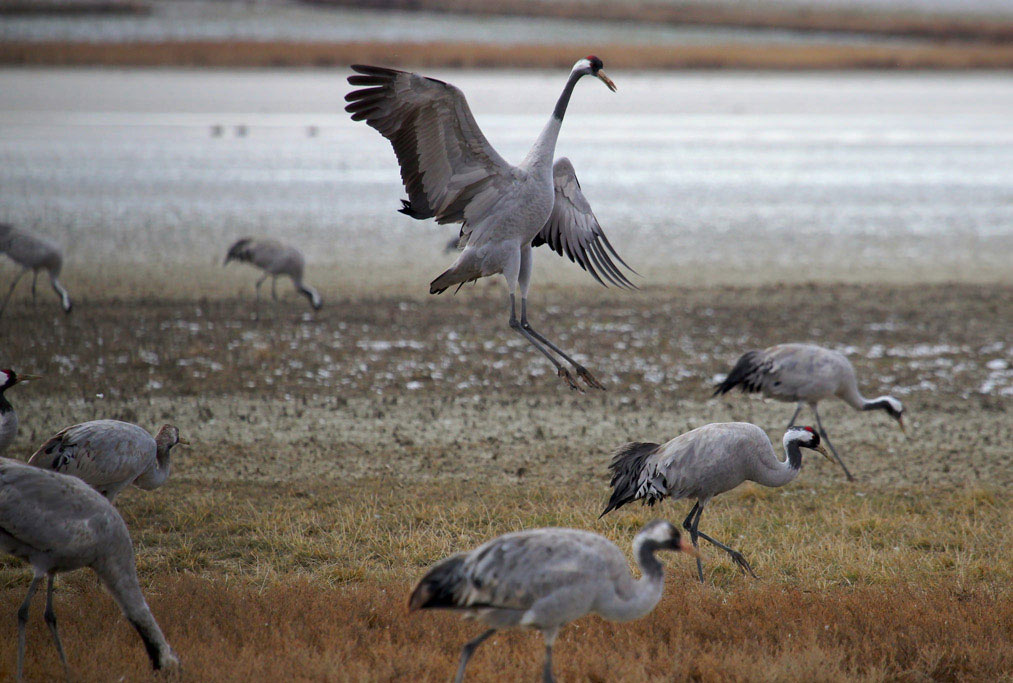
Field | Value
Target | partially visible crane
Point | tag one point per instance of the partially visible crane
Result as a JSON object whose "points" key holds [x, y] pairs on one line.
{"points": [[58, 523], [806, 374], [34, 253], [274, 258]]}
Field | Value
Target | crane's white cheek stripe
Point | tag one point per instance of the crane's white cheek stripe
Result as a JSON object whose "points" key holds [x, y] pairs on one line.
{"points": [[3, 378]]}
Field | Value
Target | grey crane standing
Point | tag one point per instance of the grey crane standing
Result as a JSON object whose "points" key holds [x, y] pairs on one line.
{"points": [[8, 417], [452, 173], [545, 578], [703, 463], [58, 523], [34, 253], [805, 374], [274, 258], [110, 455]]}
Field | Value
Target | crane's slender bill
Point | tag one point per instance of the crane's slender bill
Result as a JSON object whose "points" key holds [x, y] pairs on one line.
{"points": [[900, 421], [822, 451], [25, 378], [606, 80]]}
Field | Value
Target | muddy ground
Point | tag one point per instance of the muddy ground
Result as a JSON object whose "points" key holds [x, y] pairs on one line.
{"points": [[440, 388]]}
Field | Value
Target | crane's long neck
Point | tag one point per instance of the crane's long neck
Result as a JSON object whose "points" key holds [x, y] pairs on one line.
{"points": [[119, 574], [544, 149], [157, 475], [8, 423], [644, 593], [780, 472]]}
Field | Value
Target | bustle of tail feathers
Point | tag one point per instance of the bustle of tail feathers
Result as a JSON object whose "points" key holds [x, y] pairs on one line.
{"points": [[626, 467], [743, 374], [449, 278], [240, 250], [439, 587]]}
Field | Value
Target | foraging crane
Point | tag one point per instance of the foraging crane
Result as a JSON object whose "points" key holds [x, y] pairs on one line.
{"points": [[703, 463], [545, 578], [110, 455], [274, 258], [452, 173], [34, 253], [806, 374], [9, 418], [58, 523]]}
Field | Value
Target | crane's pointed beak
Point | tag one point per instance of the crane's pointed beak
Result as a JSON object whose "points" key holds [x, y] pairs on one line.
{"points": [[606, 80], [27, 378], [900, 421], [182, 442], [686, 546], [822, 451]]}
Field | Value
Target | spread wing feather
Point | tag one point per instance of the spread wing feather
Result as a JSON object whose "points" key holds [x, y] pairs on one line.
{"points": [[449, 169], [573, 230]]}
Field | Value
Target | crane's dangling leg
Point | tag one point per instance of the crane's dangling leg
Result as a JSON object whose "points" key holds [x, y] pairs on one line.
{"points": [[687, 524], [467, 651], [524, 279], [35, 277], [23, 621], [512, 273], [11, 290], [550, 639], [50, 617], [825, 437], [274, 287], [515, 325], [736, 556], [798, 409]]}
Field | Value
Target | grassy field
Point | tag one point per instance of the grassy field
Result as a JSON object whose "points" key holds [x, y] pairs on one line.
{"points": [[336, 456]]}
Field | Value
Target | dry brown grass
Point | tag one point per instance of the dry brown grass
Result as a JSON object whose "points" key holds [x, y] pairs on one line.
{"points": [[283, 53], [310, 582]]}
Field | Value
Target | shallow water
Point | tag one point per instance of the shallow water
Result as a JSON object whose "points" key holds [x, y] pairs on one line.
{"points": [[719, 176]]}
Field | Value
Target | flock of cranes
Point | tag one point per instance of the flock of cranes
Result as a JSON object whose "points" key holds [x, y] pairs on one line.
{"points": [[57, 512]]}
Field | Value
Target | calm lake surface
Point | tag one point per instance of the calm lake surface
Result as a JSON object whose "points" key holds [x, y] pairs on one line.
{"points": [[696, 176]]}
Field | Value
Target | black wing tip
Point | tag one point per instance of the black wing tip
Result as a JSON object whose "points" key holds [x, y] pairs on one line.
{"points": [[739, 375]]}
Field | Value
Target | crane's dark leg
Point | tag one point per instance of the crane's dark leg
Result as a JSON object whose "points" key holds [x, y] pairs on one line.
{"points": [[825, 437], [791, 422], [736, 556], [274, 287], [550, 639], [11, 290], [35, 277], [23, 621], [467, 651], [50, 617], [581, 371], [516, 325], [687, 524]]}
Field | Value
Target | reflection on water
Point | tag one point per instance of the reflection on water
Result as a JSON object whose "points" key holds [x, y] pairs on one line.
{"points": [[722, 172]]}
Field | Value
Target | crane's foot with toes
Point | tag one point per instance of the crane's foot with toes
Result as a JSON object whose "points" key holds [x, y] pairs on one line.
{"points": [[589, 379], [738, 559], [565, 375]]}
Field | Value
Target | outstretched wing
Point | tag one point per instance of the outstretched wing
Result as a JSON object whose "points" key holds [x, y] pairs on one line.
{"points": [[449, 169], [572, 230]]}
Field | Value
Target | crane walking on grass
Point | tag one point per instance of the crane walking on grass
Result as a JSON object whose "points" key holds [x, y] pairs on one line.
{"points": [[701, 464], [806, 374], [452, 173], [34, 253], [58, 523], [274, 258], [546, 578], [110, 455], [8, 416]]}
